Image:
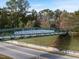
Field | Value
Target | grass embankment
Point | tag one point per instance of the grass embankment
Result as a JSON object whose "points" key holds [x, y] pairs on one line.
{"points": [[4, 57], [50, 40], [45, 41], [74, 44]]}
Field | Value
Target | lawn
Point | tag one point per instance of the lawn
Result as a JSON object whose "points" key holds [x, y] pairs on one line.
{"points": [[45, 41], [4, 57], [49, 41], [74, 45]]}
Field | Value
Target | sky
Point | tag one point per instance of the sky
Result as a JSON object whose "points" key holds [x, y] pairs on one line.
{"points": [[69, 5]]}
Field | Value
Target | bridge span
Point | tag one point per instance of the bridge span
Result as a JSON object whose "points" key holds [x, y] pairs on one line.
{"points": [[28, 32]]}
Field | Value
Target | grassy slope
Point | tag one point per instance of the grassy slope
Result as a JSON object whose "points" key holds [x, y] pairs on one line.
{"points": [[49, 40], [74, 45], [45, 41], [4, 57]]}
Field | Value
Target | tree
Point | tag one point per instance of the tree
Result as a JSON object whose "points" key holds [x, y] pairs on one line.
{"points": [[49, 13], [69, 21], [12, 5], [18, 10], [57, 14], [76, 21], [36, 23], [34, 14], [18, 5], [5, 22], [23, 6], [65, 21], [34, 19], [45, 16]]}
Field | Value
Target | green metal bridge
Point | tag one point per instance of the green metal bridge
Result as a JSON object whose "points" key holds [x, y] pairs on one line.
{"points": [[28, 32]]}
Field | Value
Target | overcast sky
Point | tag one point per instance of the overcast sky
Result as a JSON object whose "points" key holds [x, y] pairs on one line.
{"points": [[69, 5]]}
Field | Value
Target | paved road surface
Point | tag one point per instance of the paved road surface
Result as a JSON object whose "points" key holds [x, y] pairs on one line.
{"points": [[18, 52]]}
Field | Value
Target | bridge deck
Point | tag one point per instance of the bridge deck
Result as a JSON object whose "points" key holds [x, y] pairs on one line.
{"points": [[29, 33]]}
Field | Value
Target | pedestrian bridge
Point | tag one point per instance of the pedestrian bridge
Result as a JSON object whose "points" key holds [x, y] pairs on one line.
{"points": [[29, 32]]}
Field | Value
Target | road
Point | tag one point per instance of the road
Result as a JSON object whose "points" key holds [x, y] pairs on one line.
{"points": [[18, 52]]}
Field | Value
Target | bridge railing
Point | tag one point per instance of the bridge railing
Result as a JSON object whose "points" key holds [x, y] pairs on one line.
{"points": [[28, 32], [33, 28]]}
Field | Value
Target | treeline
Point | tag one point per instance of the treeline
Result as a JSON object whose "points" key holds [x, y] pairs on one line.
{"points": [[16, 15]]}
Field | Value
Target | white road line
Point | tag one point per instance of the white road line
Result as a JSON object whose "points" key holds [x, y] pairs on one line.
{"points": [[8, 44], [19, 51]]}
